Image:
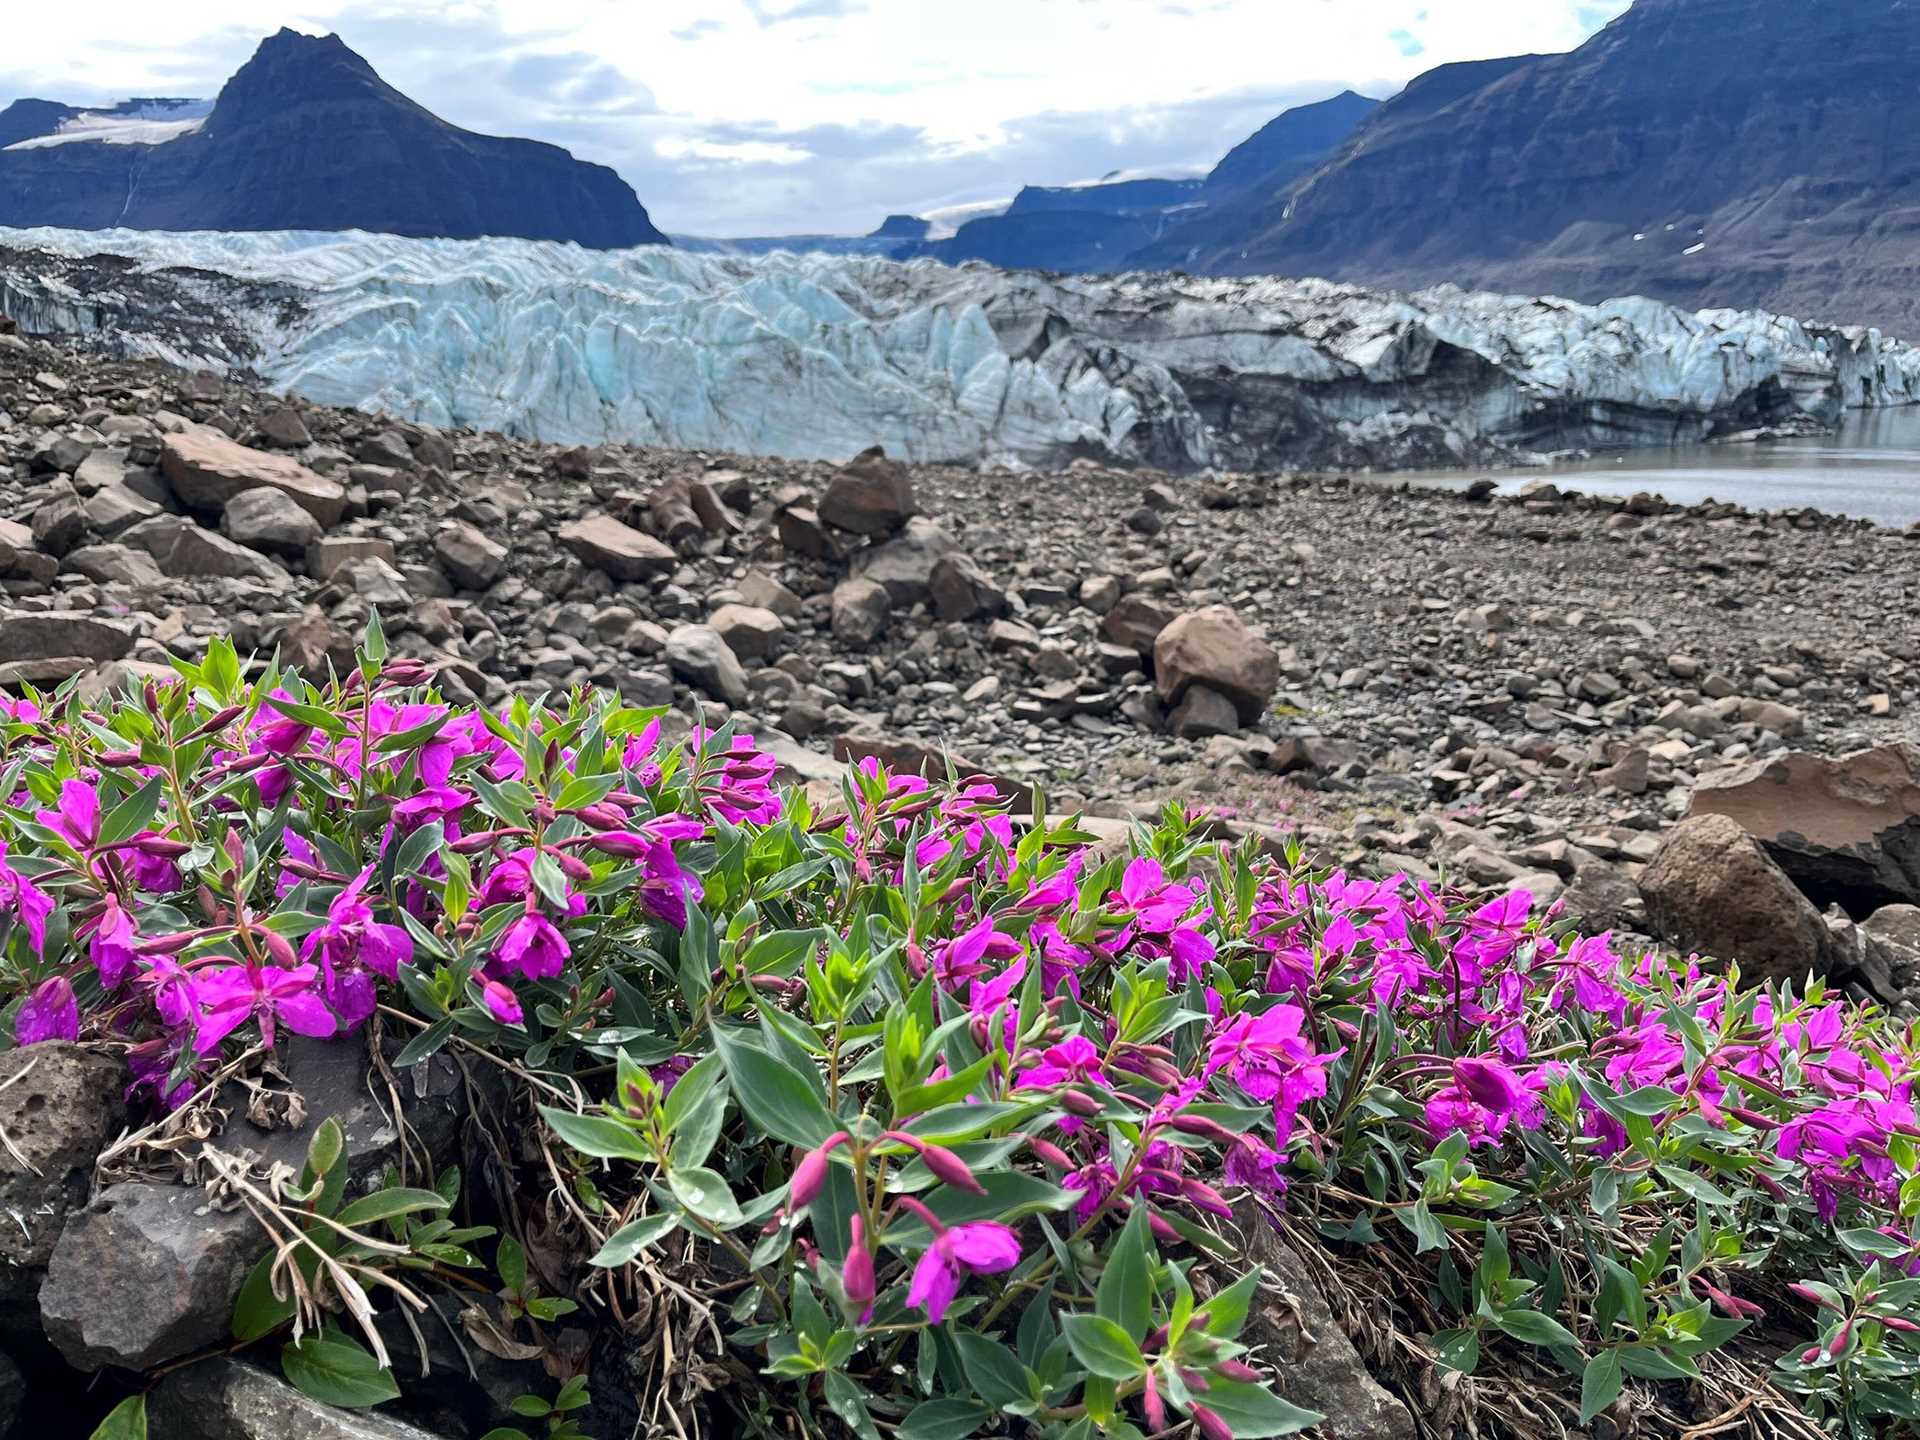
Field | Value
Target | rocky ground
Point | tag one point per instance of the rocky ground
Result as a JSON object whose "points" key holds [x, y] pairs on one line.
{"points": [[1499, 690]]}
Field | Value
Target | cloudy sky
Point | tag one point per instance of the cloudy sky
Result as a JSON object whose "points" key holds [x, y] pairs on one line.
{"points": [[742, 117]]}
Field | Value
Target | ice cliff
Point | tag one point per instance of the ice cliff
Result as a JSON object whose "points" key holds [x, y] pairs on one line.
{"points": [[821, 356]]}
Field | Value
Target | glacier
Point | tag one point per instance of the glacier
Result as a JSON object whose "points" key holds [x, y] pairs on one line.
{"points": [[820, 356]]}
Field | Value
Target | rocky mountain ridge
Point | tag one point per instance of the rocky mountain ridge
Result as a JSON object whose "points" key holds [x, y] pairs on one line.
{"points": [[305, 136]]}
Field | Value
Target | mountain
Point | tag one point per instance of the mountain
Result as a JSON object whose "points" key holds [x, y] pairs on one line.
{"points": [[1104, 227], [894, 232], [1755, 153], [1288, 145], [305, 136]]}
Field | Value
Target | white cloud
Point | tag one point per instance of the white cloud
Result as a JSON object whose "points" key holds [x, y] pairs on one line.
{"points": [[678, 92]]}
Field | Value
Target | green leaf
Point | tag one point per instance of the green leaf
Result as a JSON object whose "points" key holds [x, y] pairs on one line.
{"points": [[707, 1195], [385, 1204], [777, 1097], [133, 814], [996, 1375], [1534, 1328], [1226, 1312], [323, 1150], [1125, 1293], [629, 1240], [597, 1135], [1459, 1350], [337, 1371], [126, 1421], [257, 1313], [1429, 1232], [1102, 1346], [424, 1044], [1254, 1412], [1599, 1384], [1695, 1186], [846, 1401], [943, 1420]]}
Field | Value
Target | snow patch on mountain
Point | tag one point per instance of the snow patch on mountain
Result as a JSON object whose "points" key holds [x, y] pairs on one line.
{"points": [[821, 356], [138, 122]]}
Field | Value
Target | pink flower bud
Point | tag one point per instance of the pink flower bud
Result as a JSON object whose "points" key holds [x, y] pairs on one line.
{"points": [[1812, 1297], [118, 759], [279, 948], [1211, 1425], [951, 1169], [1049, 1154], [1894, 1322], [1080, 1103], [1155, 1408], [811, 1173], [856, 1274], [1163, 1229], [1205, 1128], [1236, 1370], [503, 1004]]}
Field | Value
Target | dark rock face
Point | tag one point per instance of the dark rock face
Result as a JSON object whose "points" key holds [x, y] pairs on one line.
{"points": [[307, 137], [1287, 146], [1703, 152], [225, 1399]]}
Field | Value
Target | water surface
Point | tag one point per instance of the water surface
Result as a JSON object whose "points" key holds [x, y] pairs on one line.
{"points": [[1869, 468]]}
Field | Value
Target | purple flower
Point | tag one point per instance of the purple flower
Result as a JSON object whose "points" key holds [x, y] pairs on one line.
{"points": [[111, 946], [531, 947], [77, 821], [50, 1013], [1252, 1163], [235, 994], [26, 901], [503, 1004], [982, 1248], [1482, 1100], [1270, 1058], [351, 934]]}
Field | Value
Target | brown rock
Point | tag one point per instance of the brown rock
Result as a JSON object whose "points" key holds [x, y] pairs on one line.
{"points": [[801, 533], [1136, 622], [53, 634], [471, 560], [621, 551], [750, 632], [962, 590], [860, 609], [871, 495], [206, 470], [1846, 830], [1212, 647], [1711, 888]]}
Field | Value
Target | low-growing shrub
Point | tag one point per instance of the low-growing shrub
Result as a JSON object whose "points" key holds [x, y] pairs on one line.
{"points": [[955, 1109]]}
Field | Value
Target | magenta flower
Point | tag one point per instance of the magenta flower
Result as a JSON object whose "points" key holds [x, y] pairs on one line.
{"points": [[968, 956], [1270, 1058], [856, 1272], [235, 994], [503, 1004], [111, 945], [1073, 1060], [531, 946], [981, 1248], [77, 821], [1483, 1098], [50, 1013], [26, 902], [1256, 1165]]}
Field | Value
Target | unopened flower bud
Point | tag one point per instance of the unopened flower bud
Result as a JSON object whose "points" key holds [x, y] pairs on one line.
{"points": [[1205, 1128], [118, 759], [1080, 1103], [1237, 1370], [951, 1169], [279, 948], [856, 1274], [811, 1172], [1812, 1297], [217, 721], [1156, 1410], [1210, 1424], [1049, 1154], [1162, 1229]]}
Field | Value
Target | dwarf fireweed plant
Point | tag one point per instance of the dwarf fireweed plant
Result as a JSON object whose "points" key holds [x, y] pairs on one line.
{"points": [[966, 1116]]}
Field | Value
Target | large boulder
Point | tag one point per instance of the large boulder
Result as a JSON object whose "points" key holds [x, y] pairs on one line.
{"points": [[270, 520], [871, 495], [962, 590], [859, 611], [622, 552], [56, 634], [206, 470], [699, 656], [751, 633], [59, 1104], [1315, 1363], [905, 563], [1712, 888], [471, 560], [20, 554], [186, 551], [1214, 648], [225, 1399], [144, 1275], [1136, 621], [1847, 829]]}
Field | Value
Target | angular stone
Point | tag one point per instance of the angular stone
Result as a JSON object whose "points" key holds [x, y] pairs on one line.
{"points": [[1315, 1363], [759, 588], [59, 522], [1213, 647], [750, 632], [620, 551], [51, 634], [871, 495], [112, 508], [144, 1275], [185, 550], [471, 560], [860, 609], [962, 590], [59, 1104], [1628, 774], [206, 470], [113, 564], [1847, 830], [285, 428], [226, 1399], [20, 557], [801, 533], [698, 655], [905, 564], [1711, 888], [269, 520], [328, 555], [377, 583], [1203, 712], [1136, 622]]}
